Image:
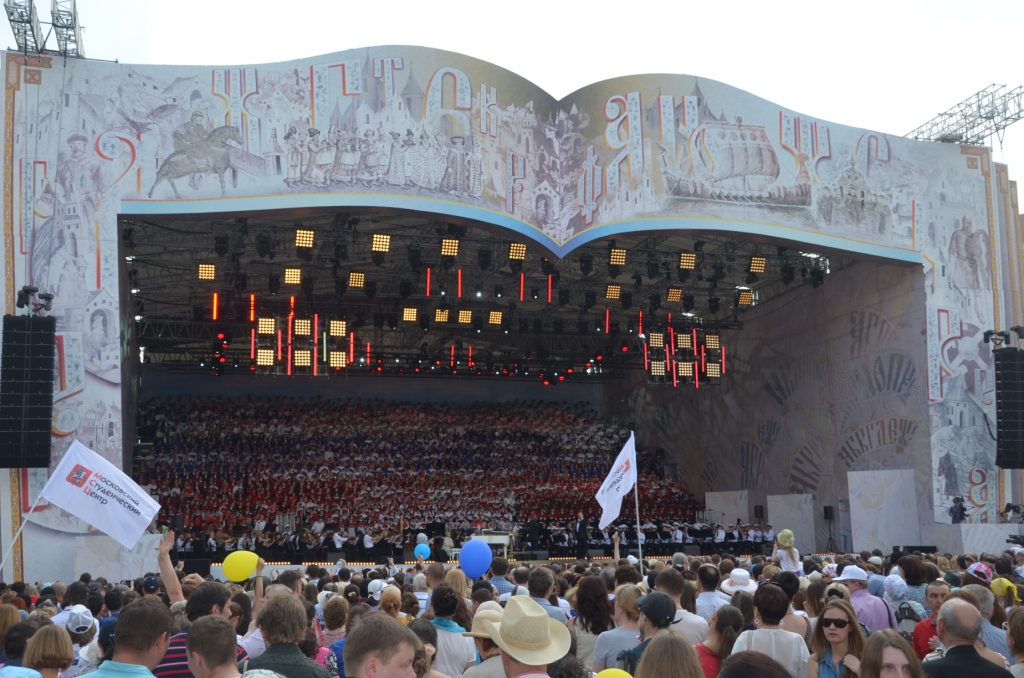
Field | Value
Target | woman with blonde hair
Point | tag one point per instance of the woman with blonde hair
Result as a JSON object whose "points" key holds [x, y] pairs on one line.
{"points": [[49, 651], [8, 617], [784, 550], [624, 637], [837, 642], [1015, 640], [456, 578], [391, 604], [669, 655]]}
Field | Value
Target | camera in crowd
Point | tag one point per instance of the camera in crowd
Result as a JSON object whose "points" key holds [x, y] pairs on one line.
{"points": [[958, 500], [1017, 539]]}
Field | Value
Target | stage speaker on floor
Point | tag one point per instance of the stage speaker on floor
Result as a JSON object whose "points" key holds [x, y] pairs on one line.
{"points": [[1009, 363], [26, 391], [758, 511], [829, 513], [200, 566]]}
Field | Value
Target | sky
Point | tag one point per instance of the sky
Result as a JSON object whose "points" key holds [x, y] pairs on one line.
{"points": [[886, 66]]}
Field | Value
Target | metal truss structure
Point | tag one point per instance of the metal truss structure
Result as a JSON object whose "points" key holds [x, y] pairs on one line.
{"points": [[975, 119], [554, 313], [28, 30]]}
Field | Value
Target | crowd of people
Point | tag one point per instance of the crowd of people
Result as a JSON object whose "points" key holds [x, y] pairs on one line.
{"points": [[867, 615], [351, 468]]}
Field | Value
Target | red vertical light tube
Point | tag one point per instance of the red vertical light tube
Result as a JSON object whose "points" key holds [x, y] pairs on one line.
{"points": [[428, 281], [252, 308], [694, 341], [215, 298], [471, 355], [367, 353], [291, 320], [607, 320], [351, 347], [670, 366], [292, 300], [723, 360], [703, 361], [641, 323], [671, 338], [522, 286], [550, 284], [280, 351], [696, 376], [316, 340], [452, 361], [458, 287], [252, 344], [645, 356]]}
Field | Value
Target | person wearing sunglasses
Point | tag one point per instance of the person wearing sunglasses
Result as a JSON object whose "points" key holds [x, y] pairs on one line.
{"points": [[837, 642]]}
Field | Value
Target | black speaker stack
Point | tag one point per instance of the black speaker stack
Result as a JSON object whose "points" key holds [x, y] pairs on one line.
{"points": [[26, 391], [1009, 407]]}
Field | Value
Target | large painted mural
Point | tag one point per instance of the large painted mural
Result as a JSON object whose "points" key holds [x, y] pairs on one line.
{"points": [[433, 131]]}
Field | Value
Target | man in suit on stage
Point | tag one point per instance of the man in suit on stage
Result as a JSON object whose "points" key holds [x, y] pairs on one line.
{"points": [[958, 628], [582, 532]]}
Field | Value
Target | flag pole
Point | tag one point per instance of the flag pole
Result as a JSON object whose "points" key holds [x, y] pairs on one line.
{"points": [[639, 544], [14, 540]]}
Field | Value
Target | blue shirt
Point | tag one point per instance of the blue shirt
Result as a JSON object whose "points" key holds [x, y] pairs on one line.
{"points": [[338, 648], [112, 669], [827, 668], [995, 639]]}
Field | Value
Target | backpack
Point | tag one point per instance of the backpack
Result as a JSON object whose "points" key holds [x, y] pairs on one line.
{"points": [[906, 620]]}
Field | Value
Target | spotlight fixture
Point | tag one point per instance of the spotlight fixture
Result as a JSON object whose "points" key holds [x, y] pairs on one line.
{"points": [[341, 251], [589, 300], [687, 303], [674, 294], [338, 328], [535, 292], [684, 340], [817, 277], [339, 359], [25, 296], [746, 298], [356, 279], [653, 269], [657, 368], [717, 272], [713, 370], [370, 289], [683, 274], [655, 302], [409, 315], [449, 247], [273, 283], [751, 278], [265, 357], [308, 287], [546, 267], [465, 317], [616, 256], [516, 251], [656, 340], [564, 297], [713, 342], [207, 271], [479, 291], [266, 326], [499, 291], [405, 289], [340, 286], [788, 274], [377, 258], [494, 318], [425, 323], [714, 304], [292, 276], [758, 264], [381, 243], [614, 271], [241, 282], [415, 258], [440, 315], [484, 258], [586, 265], [220, 245], [302, 327], [688, 260], [684, 369], [264, 247], [698, 246], [627, 301], [613, 292]]}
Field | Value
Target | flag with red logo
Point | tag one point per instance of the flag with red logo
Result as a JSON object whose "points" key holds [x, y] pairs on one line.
{"points": [[619, 482], [88, 486]]}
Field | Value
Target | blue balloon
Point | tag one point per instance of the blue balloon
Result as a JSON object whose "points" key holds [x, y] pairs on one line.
{"points": [[475, 558], [422, 551]]}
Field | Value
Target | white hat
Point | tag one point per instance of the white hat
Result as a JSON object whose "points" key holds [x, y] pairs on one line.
{"points": [[527, 634], [739, 580], [852, 573], [478, 630], [80, 619], [632, 560], [374, 588], [875, 560]]}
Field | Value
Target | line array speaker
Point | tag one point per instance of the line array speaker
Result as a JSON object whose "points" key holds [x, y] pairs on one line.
{"points": [[1009, 364], [26, 391]]}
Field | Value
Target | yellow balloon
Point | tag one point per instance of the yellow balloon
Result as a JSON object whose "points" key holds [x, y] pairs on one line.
{"points": [[240, 565], [613, 673]]}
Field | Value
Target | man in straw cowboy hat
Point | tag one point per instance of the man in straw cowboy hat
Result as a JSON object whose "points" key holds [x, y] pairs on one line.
{"points": [[528, 638]]}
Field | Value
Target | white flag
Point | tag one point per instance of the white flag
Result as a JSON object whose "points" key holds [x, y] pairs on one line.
{"points": [[88, 486], [620, 480]]}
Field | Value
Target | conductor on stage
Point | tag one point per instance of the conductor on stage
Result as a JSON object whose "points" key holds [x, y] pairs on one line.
{"points": [[582, 536]]}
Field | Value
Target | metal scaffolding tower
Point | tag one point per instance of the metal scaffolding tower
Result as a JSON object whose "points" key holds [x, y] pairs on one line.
{"points": [[975, 119], [28, 31]]}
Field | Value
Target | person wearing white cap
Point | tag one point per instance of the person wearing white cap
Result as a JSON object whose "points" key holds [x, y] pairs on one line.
{"points": [[528, 638], [872, 611]]}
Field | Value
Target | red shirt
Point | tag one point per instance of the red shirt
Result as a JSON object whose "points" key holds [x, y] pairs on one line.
{"points": [[708, 661], [923, 632]]}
